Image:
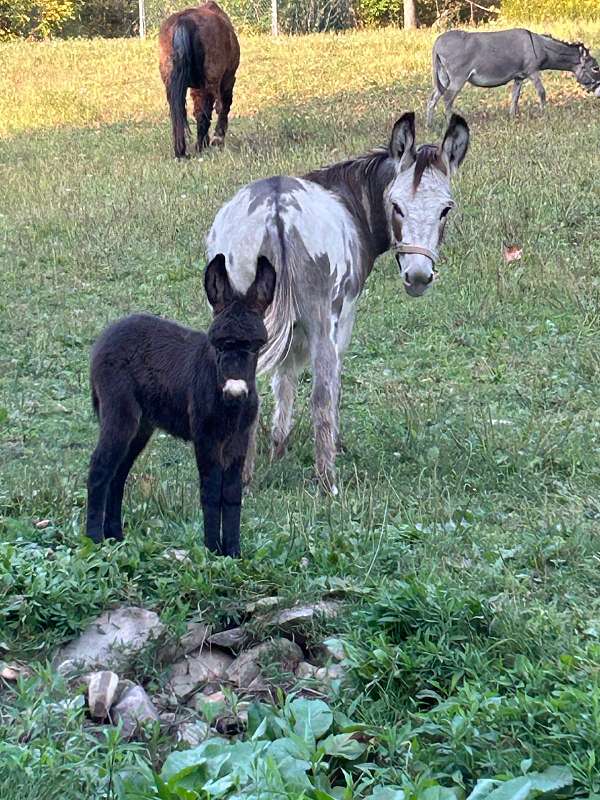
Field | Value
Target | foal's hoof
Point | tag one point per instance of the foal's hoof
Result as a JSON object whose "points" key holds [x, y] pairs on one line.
{"points": [[202, 144], [97, 537], [217, 140]]}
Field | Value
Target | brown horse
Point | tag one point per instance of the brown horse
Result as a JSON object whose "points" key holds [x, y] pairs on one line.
{"points": [[199, 50]]}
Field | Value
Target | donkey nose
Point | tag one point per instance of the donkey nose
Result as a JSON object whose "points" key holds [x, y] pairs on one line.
{"points": [[417, 280], [235, 388]]}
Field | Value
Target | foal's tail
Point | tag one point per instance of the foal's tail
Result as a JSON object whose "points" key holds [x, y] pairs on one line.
{"points": [[283, 311], [187, 69]]}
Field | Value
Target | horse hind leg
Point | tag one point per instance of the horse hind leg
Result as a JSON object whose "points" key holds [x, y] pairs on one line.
{"points": [[203, 108], [223, 105]]}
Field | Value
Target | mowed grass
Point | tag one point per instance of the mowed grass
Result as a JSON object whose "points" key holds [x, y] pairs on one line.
{"points": [[466, 538]]}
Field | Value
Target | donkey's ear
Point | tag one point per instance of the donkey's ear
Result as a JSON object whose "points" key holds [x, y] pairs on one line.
{"points": [[456, 143], [402, 142], [260, 294], [216, 284]]}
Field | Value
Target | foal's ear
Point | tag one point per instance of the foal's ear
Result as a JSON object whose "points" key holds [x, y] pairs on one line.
{"points": [[402, 142], [456, 143], [260, 294], [216, 284]]}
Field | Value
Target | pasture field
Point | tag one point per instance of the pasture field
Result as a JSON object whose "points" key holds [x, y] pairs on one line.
{"points": [[466, 540]]}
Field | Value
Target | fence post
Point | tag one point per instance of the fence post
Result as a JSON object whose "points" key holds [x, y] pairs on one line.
{"points": [[274, 25], [142, 16]]}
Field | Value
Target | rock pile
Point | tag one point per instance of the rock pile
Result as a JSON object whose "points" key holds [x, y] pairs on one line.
{"points": [[201, 668]]}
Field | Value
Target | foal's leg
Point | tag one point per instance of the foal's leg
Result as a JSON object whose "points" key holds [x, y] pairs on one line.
{"points": [[203, 107], [112, 520], [231, 508], [516, 93], [326, 377], [211, 483], [539, 87], [224, 100], [118, 429]]}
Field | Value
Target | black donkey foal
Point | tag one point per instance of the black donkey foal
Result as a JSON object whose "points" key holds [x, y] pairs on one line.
{"points": [[148, 373]]}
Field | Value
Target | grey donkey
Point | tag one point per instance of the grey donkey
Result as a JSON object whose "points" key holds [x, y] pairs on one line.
{"points": [[498, 57]]}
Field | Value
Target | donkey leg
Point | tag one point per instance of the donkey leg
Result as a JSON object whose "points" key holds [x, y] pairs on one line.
{"points": [[231, 508], [450, 95], [284, 385], [539, 87], [516, 93], [224, 100], [112, 520], [326, 376], [432, 103], [211, 485], [116, 434], [203, 107]]}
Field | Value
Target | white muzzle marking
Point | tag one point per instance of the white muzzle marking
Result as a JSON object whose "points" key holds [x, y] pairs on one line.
{"points": [[235, 388]]}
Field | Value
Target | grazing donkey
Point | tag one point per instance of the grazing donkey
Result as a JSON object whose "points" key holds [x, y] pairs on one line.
{"points": [[323, 233], [198, 50], [497, 57], [148, 372]]}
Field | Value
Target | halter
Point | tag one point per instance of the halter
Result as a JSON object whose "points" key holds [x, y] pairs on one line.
{"points": [[418, 249]]}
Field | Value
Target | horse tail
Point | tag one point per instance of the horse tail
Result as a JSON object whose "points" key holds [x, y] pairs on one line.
{"points": [[187, 68], [282, 314]]}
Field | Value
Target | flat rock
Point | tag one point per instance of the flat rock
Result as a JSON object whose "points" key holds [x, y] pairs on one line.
{"points": [[305, 670], [112, 641], [234, 638], [263, 604], [134, 709], [247, 669], [333, 649], [192, 733], [102, 690], [197, 633], [207, 665], [300, 616]]}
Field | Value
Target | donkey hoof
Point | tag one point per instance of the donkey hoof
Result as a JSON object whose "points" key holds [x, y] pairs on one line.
{"points": [[97, 537], [217, 140]]}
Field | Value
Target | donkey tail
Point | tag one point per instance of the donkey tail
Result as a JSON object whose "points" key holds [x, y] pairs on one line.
{"points": [[187, 68], [441, 79], [282, 314]]}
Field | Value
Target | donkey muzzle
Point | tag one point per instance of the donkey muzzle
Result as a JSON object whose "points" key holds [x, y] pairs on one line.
{"points": [[420, 274], [235, 389]]}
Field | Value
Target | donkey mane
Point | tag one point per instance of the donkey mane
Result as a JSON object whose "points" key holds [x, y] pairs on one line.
{"points": [[562, 41], [350, 169], [428, 155]]}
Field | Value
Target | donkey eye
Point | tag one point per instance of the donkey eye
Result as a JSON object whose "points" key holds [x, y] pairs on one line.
{"points": [[398, 210], [445, 212]]}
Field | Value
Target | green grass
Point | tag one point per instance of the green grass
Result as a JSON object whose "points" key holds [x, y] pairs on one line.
{"points": [[467, 534]]}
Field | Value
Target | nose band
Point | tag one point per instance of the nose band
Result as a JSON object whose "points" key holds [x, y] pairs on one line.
{"points": [[418, 250]]}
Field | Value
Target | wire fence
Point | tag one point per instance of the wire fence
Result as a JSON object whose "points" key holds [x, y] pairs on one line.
{"points": [[254, 15]]}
